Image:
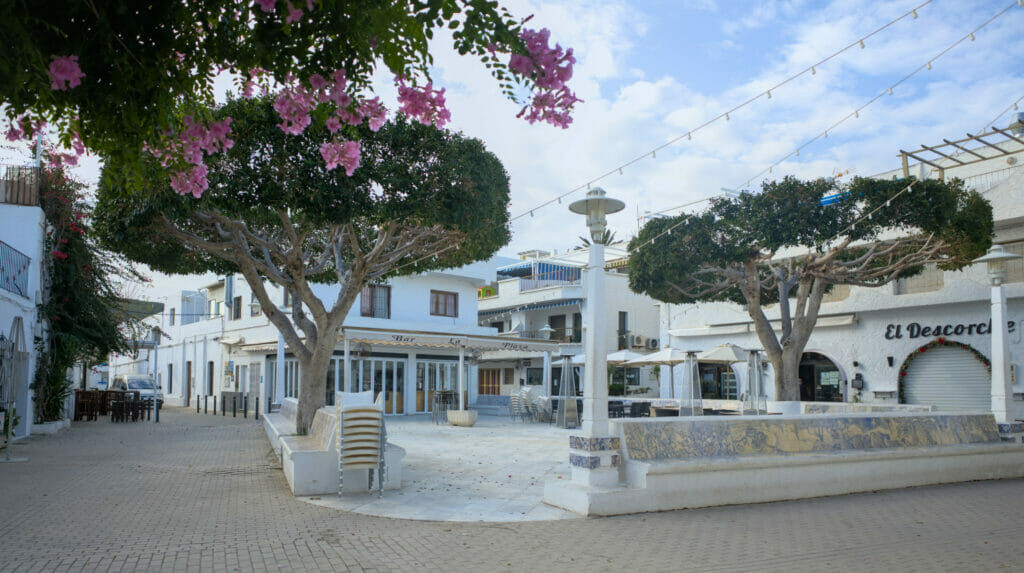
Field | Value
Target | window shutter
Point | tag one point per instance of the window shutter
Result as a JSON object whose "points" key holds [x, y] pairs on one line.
{"points": [[366, 301]]}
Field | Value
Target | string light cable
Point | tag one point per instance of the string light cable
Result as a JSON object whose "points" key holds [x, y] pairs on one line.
{"points": [[767, 94], [1014, 106], [888, 91]]}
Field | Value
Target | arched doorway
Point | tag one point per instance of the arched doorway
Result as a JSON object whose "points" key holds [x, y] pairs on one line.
{"points": [[951, 376], [820, 379]]}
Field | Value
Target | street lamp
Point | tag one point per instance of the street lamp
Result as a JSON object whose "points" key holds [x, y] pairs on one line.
{"points": [[996, 259], [546, 331], [595, 384]]}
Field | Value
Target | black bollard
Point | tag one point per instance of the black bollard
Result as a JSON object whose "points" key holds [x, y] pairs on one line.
{"points": [[215, 405], [234, 406], [223, 407], [245, 406], [197, 403], [256, 411], [206, 410], [156, 411]]}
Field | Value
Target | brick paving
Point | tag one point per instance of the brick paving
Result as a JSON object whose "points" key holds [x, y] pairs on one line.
{"points": [[198, 493]]}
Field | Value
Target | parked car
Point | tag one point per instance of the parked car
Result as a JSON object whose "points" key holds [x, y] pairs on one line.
{"points": [[141, 383]]}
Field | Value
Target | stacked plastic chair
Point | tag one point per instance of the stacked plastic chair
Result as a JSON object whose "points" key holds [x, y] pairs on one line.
{"points": [[361, 442]]}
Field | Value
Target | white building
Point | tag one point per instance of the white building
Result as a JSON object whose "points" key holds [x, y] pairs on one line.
{"points": [[543, 296], [922, 340], [404, 337], [21, 256]]}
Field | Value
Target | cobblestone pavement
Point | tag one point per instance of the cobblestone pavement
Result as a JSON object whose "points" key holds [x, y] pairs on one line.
{"points": [[198, 493]]}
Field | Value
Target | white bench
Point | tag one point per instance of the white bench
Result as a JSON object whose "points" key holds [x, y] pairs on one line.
{"points": [[281, 423], [310, 462]]}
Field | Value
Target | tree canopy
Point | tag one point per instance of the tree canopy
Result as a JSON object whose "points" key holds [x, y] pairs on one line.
{"points": [[792, 241], [119, 77], [423, 199]]}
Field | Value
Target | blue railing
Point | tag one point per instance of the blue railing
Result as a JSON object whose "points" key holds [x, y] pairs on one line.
{"points": [[14, 267]]}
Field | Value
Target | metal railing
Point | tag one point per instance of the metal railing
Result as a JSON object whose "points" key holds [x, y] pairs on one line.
{"points": [[564, 335], [14, 267], [533, 284]]}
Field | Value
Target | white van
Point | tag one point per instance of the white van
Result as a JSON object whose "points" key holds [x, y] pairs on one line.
{"points": [[141, 383]]}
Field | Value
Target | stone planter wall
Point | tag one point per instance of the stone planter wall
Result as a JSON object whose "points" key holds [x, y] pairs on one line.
{"points": [[462, 417]]}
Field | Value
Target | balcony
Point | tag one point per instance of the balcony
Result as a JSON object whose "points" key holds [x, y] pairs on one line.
{"points": [[14, 267], [562, 335], [19, 185]]}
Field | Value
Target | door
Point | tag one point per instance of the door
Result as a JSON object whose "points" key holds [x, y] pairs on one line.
{"points": [[950, 378]]}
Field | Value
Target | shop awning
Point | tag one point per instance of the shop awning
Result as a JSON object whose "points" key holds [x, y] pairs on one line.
{"points": [[538, 306]]}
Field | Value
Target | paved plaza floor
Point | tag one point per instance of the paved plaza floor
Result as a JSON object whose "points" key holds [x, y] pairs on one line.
{"points": [[494, 471], [198, 493]]}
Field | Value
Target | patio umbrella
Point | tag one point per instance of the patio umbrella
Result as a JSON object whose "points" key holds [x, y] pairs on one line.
{"points": [[668, 356], [625, 355], [724, 354]]}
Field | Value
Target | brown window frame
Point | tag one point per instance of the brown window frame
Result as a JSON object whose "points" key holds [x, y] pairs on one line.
{"points": [[366, 301], [236, 308], [435, 307]]}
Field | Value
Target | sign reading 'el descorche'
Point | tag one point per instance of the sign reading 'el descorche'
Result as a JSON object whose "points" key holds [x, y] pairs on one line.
{"points": [[917, 330]]}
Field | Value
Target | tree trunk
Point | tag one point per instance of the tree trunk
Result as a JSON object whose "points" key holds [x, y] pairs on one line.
{"points": [[313, 376], [787, 374]]}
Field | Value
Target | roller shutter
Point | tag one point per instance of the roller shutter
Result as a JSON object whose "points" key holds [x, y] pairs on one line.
{"points": [[950, 378]]}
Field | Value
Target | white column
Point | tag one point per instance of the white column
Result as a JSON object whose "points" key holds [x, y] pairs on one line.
{"points": [[279, 387], [462, 378], [595, 375], [547, 372], [1001, 392]]}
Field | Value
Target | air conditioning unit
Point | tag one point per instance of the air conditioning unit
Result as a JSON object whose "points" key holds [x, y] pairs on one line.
{"points": [[637, 340], [652, 343]]}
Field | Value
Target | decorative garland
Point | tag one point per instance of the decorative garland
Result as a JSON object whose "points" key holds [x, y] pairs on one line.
{"points": [[934, 344]]}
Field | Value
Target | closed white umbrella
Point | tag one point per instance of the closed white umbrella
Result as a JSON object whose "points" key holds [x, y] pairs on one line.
{"points": [[724, 354]]}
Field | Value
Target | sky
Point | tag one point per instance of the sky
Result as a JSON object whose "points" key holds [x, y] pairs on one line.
{"points": [[650, 71]]}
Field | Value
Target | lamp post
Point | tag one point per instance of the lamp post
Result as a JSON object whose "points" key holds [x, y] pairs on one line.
{"points": [[996, 259], [595, 385]]}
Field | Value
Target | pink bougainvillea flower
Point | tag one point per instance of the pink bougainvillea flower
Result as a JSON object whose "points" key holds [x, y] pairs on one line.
{"points": [[346, 154], [375, 111], [267, 5], [294, 14], [64, 72], [424, 104], [293, 105], [333, 124], [190, 181], [59, 255], [317, 82], [549, 68], [14, 133]]}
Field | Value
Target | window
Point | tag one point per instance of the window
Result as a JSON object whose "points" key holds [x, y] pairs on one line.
{"points": [[623, 330], [444, 303], [490, 381], [631, 376], [376, 301], [236, 308], [557, 322], [577, 327], [172, 317], [500, 325], [928, 280], [1014, 268]]}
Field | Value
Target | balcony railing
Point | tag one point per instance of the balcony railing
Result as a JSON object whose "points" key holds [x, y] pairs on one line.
{"points": [[14, 267], [563, 335], [533, 284]]}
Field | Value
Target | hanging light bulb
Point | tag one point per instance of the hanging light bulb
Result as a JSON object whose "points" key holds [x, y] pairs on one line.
{"points": [[559, 200], [890, 91], [726, 116], [689, 134], [888, 203], [813, 71], [620, 171], [531, 214], [856, 113], [826, 133], [914, 12], [798, 153], [972, 36], [769, 94], [654, 155], [861, 44], [929, 65]]}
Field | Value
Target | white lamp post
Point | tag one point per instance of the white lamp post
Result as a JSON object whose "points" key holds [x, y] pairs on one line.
{"points": [[996, 258], [595, 384]]}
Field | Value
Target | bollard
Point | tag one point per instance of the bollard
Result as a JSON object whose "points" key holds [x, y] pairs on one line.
{"points": [[205, 404], [223, 407], [156, 412], [234, 406], [215, 405], [256, 411], [197, 403], [245, 406]]}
